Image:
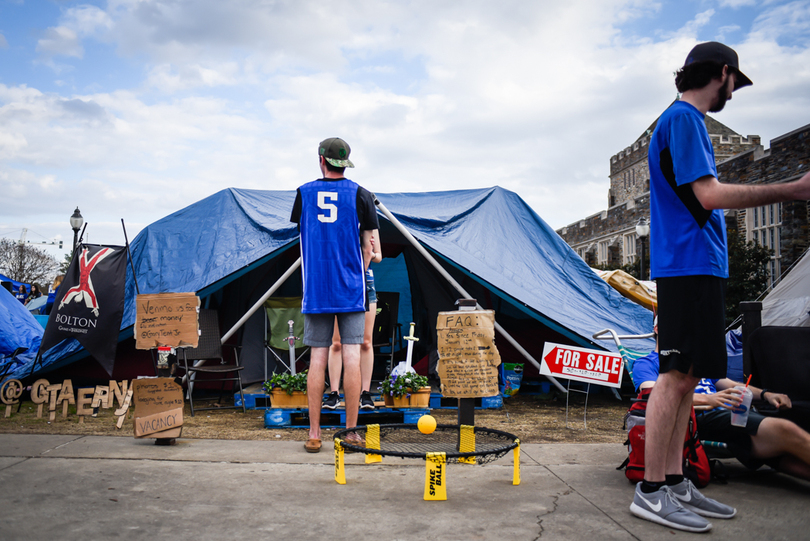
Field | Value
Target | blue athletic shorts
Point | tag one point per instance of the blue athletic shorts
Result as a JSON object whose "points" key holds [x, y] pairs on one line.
{"points": [[371, 291]]}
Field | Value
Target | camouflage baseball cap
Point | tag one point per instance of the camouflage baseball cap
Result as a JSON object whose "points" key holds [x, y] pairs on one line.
{"points": [[336, 151]]}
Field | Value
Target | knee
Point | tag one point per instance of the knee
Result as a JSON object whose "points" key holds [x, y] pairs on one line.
{"points": [[335, 348], [793, 433], [366, 346]]}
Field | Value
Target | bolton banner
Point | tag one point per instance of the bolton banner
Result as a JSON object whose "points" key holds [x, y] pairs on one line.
{"points": [[89, 304]]}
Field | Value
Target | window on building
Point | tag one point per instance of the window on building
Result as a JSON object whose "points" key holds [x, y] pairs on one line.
{"points": [[628, 248], [602, 252], [763, 226]]}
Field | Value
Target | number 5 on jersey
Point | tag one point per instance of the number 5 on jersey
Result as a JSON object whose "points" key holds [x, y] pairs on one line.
{"points": [[330, 214]]}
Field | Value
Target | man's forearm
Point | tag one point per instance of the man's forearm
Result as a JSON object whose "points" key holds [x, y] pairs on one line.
{"points": [[713, 194]]}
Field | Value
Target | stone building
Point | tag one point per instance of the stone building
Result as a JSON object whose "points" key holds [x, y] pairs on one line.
{"points": [[609, 238]]}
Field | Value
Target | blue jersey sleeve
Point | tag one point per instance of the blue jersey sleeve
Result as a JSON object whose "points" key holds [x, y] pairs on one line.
{"points": [[691, 149], [645, 369]]}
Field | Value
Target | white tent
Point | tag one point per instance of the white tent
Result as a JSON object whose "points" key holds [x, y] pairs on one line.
{"points": [[788, 305]]}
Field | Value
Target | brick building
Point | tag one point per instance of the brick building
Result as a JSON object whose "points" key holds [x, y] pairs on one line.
{"points": [[609, 237]]}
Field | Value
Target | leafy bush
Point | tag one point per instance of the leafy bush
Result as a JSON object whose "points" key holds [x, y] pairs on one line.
{"points": [[287, 382], [402, 385]]}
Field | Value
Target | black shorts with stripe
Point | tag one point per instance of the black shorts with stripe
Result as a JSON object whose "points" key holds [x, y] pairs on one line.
{"points": [[691, 325]]}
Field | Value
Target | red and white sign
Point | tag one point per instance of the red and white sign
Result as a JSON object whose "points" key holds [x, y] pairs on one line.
{"points": [[580, 364]]}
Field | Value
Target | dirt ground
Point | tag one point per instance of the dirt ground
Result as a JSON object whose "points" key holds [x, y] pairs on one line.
{"points": [[532, 418]]}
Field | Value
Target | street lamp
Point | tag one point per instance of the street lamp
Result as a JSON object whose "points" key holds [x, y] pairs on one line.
{"points": [[642, 232], [76, 222]]}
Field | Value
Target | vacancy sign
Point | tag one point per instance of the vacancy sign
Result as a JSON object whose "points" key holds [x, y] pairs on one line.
{"points": [[580, 364]]}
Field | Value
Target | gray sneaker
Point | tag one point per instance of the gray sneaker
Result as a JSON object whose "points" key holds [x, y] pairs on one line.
{"points": [[662, 507], [694, 501]]}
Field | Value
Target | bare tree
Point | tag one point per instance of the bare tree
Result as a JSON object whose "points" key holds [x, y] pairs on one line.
{"points": [[25, 263]]}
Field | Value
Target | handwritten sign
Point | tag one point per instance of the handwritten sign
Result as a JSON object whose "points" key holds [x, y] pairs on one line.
{"points": [[581, 364], [468, 358], [158, 408], [166, 319]]}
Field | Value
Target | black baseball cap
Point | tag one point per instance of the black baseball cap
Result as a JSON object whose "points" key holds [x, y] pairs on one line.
{"points": [[713, 51], [336, 151]]}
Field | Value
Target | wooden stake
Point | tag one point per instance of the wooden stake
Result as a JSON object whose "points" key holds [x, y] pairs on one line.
{"points": [[122, 411], [53, 394]]}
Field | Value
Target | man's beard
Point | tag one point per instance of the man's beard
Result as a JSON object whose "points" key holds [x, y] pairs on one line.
{"points": [[722, 98]]}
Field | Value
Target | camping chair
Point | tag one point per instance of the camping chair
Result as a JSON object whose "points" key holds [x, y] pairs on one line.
{"points": [[283, 331], [714, 449], [209, 347], [779, 362], [386, 328]]}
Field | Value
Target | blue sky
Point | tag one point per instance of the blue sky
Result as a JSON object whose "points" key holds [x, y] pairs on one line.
{"points": [[134, 109]]}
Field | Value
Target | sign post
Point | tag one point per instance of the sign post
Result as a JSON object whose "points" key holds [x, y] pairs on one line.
{"points": [[581, 364]]}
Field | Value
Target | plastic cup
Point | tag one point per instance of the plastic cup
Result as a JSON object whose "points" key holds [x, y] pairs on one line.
{"points": [[739, 414]]}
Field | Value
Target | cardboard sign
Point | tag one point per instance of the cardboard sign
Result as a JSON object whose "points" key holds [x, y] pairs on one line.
{"points": [[581, 364], [468, 358], [167, 319], [158, 408], [159, 422]]}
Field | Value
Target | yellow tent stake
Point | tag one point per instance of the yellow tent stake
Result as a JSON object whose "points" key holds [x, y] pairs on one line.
{"points": [[467, 444], [435, 478], [516, 461], [340, 473], [373, 442]]}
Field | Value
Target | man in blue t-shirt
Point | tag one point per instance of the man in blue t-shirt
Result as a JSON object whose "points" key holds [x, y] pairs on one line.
{"points": [[336, 219], [780, 443], [689, 260]]}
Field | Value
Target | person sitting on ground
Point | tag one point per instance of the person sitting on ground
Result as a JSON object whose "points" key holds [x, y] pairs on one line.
{"points": [[779, 443]]}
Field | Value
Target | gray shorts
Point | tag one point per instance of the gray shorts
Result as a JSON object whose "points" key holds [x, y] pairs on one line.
{"points": [[318, 328]]}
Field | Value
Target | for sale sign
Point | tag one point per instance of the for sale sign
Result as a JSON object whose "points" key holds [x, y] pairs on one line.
{"points": [[580, 364]]}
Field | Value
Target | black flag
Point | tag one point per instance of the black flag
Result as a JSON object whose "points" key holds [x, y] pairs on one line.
{"points": [[90, 302]]}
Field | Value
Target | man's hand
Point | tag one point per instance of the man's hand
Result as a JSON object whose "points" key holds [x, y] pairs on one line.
{"points": [[727, 398], [779, 401]]}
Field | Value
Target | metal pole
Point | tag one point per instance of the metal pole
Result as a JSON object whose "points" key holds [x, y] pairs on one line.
{"points": [[460, 289], [641, 262], [252, 310], [260, 302]]}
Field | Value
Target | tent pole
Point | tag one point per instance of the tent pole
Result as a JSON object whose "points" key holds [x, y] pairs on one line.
{"points": [[260, 302], [253, 309], [446, 275]]}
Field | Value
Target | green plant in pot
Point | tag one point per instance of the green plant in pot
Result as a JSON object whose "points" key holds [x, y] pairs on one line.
{"points": [[287, 382], [403, 384]]}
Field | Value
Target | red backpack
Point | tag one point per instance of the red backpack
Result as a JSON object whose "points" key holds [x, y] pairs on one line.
{"points": [[696, 465]]}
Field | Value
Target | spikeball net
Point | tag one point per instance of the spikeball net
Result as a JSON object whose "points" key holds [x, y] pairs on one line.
{"points": [[447, 444]]}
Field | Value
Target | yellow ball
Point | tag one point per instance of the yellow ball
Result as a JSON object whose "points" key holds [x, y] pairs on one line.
{"points": [[426, 424]]}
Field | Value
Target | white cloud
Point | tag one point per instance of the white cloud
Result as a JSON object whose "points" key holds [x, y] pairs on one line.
{"points": [[3, 42], [532, 96], [789, 21], [734, 4], [60, 40]]}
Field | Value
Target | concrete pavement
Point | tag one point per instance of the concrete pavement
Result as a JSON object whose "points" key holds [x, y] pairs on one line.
{"points": [[95, 487]]}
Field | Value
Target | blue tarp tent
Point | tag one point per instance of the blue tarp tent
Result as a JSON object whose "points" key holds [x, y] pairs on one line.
{"points": [[232, 246], [15, 285], [18, 329]]}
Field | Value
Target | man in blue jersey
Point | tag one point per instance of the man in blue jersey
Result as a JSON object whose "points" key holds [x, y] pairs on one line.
{"points": [[336, 219], [689, 260]]}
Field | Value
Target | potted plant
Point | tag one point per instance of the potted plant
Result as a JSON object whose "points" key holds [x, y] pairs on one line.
{"points": [[287, 390], [409, 390]]}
